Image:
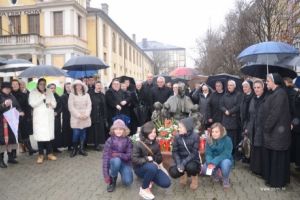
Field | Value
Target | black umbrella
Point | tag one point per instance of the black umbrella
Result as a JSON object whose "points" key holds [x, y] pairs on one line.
{"points": [[122, 80], [41, 71], [2, 61], [177, 80], [224, 78], [84, 63], [15, 65], [260, 70]]}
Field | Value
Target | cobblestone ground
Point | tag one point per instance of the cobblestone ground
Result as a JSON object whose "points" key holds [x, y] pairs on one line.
{"points": [[80, 178]]}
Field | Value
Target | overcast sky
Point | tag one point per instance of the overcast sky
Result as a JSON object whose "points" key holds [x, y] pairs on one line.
{"points": [[175, 22]]}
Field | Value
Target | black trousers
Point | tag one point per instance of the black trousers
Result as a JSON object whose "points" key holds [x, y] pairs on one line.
{"points": [[192, 168], [45, 145]]}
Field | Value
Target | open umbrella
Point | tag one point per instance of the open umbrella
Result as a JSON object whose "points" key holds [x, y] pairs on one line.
{"points": [[292, 62], [41, 71], [197, 79], [81, 74], [177, 80], [184, 72], [15, 65], [261, 70], [2, 61], [224, 78], [84, 63]]}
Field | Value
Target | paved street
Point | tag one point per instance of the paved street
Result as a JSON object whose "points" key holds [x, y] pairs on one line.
{"points": [[81, 178]]}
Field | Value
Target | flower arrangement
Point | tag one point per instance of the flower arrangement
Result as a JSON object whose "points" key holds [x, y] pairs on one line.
{"points": [[166, 129]]}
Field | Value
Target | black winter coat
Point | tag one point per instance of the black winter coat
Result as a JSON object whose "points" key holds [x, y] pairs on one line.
{"points": [[99, 112], [296, 119], [277, 125], [180, 154], [202, 101], [214, 112], [140, 152], [255, 125], [141, 101], [231, 102], [66, 126], [161, 94], [25, 123], [244, 109], [3, 108]]}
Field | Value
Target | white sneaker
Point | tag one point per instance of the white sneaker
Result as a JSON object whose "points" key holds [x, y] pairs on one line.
{"points": [[146, 195]]}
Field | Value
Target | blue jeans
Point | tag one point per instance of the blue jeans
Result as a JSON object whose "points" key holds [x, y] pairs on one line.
{"points": [[149, 172], [116, 166], [225, 167], [78, 135]]}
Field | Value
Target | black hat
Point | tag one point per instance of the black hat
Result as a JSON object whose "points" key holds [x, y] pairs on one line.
{"points": [[6, 85]]}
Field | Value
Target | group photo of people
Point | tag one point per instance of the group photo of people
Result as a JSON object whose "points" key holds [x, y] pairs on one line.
{"points": [[253, 121]]}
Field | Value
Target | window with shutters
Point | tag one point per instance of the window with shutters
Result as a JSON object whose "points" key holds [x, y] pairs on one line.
{"points": [[58, 23], [15, 24], [34, 24]]}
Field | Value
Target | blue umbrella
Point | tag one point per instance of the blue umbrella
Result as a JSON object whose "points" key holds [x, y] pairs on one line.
{"points": [[41, 71], [261, 70], [84, 63], [297, 83], [81, 74]]}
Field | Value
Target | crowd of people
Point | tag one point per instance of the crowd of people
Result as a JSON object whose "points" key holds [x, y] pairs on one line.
{"points": [[266, 113]]}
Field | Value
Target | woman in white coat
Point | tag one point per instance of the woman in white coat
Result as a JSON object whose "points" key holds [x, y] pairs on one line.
{"points": [[80, 107], [43, 103]]}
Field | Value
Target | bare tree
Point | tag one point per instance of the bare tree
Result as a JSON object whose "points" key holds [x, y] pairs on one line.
{"points": [[160, 59]]}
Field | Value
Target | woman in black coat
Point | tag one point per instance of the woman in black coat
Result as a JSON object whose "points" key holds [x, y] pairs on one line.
{"points": [[255, 127], [66, 127], [141, 107], [246, 98], [214, 113], [97, 134], [25, 122], [116, 102], [57, 142], [8, 140], [296, 128], [277, 134], [230, 106]]}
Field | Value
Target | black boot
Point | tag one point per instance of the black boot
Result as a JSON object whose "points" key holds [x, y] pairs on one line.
{"points": [[112, 186], [2, 163], [11, 157], [81, 149], [98, 147], [27, 144], [74, 150]]}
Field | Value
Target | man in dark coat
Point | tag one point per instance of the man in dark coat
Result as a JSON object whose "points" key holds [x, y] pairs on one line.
{"points": [[202, 97], [8, 140], [147, 87], [57, 142], [97, 134], [25, 123], [148, 84], [230, 106], [214, 113], [161, 93], [277, 134]]}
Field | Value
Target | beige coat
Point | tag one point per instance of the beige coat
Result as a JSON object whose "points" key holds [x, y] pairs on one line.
{"points": [[80, 105], [43, 116]]}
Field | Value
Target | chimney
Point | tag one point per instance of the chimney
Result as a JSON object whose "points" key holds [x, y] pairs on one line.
{"points": [[104, 7], [144, 43], [134, 38]]}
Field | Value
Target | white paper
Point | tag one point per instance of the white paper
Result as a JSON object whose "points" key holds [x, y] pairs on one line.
{"points": [[209, 171]]}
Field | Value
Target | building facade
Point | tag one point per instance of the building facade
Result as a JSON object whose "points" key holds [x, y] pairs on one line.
{"points": [[52, 31], [165, 57]]}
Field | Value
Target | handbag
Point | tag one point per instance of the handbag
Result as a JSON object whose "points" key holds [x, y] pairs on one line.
{"points": [[160, 166]]}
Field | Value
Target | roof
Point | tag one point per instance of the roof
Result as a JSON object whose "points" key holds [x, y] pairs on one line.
{"points": [[154, 45]]}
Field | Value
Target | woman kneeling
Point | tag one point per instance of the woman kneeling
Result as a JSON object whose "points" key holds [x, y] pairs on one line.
{"points": [[146, 160]]}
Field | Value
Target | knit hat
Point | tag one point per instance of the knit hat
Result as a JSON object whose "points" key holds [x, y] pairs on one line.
{"points": [[188, 123], [119, 124], [5, 85]]}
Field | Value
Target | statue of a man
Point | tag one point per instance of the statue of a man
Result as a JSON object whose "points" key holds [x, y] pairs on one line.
{"points": [[180, 104]]}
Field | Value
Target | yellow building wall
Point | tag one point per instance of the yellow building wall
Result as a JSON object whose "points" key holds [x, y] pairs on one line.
{"points": [[42, 26], [7, 3], [58, 60], [24, 24], [91, 35], [5, 25]]}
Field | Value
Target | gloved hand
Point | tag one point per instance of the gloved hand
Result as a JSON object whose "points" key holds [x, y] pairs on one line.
{"points": [[107, 180]]}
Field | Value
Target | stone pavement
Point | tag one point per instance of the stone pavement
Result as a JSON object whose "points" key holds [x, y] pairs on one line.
{"points": [[80, 178]]}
